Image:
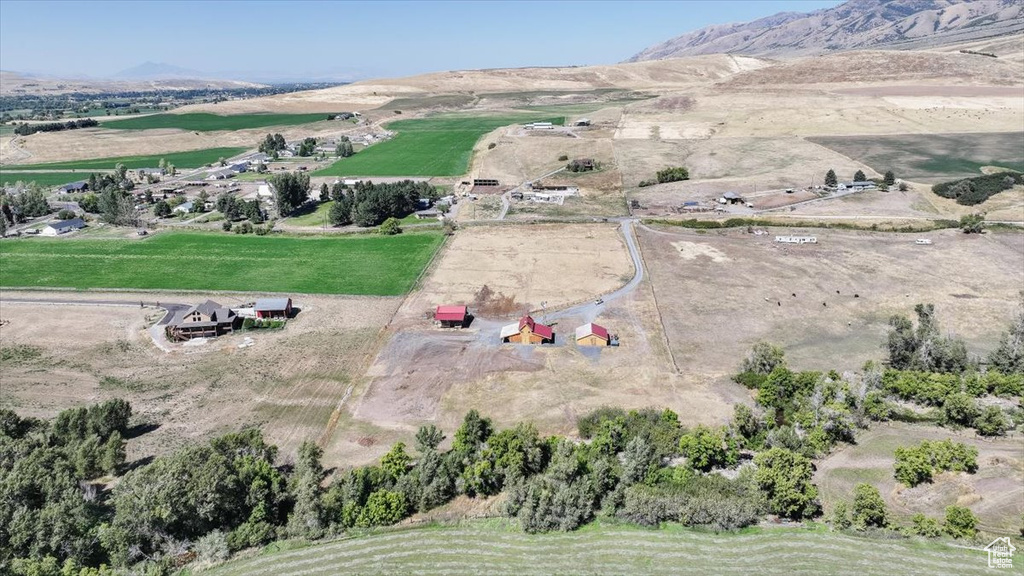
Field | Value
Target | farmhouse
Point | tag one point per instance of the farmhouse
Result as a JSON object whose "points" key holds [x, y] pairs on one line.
{"points": [[591, 334], [730, 198], [428, 214], [184, 208], [205, 320], [581, 165], [259, 158], [221, 174], [143, 172], [62, 227], [856, 186], [80, 186], [273, 307], [527, 331], [582, 122], [452, 316]]}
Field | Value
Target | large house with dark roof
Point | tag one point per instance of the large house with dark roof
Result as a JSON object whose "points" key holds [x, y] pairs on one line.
{"points": [[205, 320]]}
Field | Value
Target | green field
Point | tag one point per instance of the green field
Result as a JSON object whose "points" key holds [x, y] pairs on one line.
{"points": [[47, 179], [440, 146], [203, 122], [190, 159], [315, 217], [496, 548], [363, 264], [930, 158]]}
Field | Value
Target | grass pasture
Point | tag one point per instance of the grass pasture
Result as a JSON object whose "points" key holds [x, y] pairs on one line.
{"points": [[496, 548], [439, 146], [205, 122], [189, 159], [931, 158], [46, 179], [363, 265]]}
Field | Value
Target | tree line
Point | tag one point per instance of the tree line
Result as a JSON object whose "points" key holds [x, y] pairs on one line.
{"points": [[368, 204], [26, 129]]}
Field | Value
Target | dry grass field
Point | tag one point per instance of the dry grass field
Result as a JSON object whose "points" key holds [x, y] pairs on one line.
{"points": [[722, 291], [289, 382], [995, 492]]}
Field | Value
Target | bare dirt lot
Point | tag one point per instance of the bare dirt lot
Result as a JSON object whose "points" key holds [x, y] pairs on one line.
{"points": [[715, 308], [289, 381], [556, 264], [995, 492]]}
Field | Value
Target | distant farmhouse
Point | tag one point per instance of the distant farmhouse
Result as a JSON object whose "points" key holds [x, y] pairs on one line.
{"points": [[205, 320], [80, 186], [63, 227], [856, 186], [528, 331]]}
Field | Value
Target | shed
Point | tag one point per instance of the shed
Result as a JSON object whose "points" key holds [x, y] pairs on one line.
{"points": [[732, 197], [273, 307], [62, 227], [528, 331], [451, 316], [591, 334], [582, 122]]}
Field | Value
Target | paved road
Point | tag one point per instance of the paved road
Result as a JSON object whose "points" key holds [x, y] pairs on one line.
{"points": [[170, 307]]}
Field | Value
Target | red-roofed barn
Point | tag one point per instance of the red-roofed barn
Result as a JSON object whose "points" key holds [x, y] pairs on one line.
{"points": [[528, 331], [451, 316], [592, 335]]}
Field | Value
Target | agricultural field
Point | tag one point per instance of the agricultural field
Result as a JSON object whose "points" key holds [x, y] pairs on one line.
{"points": [[826, 304], [47, 179], [370, 265], [495, 547], [190, 159], [440, 146], [931, 157], [60, 356], [203, 122]]}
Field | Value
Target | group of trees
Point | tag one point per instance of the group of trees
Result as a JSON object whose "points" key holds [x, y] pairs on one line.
{"points": [[918, 464], [23, 202], [868, 510], [26, 129], [344, 148], [291, 191], [673, 174], [272, 144], [369, 204], [972, 191], [307, 147]]}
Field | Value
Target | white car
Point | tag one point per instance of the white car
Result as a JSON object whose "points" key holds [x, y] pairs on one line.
{"points": [[599, 301]]}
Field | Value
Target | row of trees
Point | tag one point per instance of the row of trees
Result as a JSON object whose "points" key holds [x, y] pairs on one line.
{"points": [[672, 174], [26, 129]]}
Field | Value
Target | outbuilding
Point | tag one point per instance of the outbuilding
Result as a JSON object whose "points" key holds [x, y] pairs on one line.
{"points": [[528, 331], [63, 227], [452, 316], [591, 334], [273, 307]]}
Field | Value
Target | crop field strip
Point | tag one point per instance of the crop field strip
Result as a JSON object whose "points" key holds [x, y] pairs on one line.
{"points": [[615, 550], [440, 146], [359, 265], [205, 122], [46, 179], [180, 160], [931, 157]]}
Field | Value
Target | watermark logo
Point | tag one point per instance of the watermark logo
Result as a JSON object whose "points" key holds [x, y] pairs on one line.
{"points": [[1000, 553]]}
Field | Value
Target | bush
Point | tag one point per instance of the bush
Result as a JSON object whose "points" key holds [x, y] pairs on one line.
{"points": [[960, 522], [785, 479], [674, 174], [763, 358], [917, 464], [925, 526], [563, 158], [991, 422], [226, 226], [390, 227], [706, 448], [959, 410], [66, 214], [840, 517], [868, 507], [972, 223], [492, 146]]}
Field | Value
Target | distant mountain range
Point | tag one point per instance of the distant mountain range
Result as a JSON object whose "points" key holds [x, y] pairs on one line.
{"points": [[853, 25]]}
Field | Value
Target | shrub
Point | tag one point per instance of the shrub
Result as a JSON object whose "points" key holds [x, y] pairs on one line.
{"points": [[917, 464], [868, 507], [492, 146], [991, 422], [390, 227], [382, 508], [785, 479], [226, 226], [763, 358], [925, 526], [972, 223], [960, 522], [563, 158], [707, 448], [674, 174], [840, 517], [959, 410]]}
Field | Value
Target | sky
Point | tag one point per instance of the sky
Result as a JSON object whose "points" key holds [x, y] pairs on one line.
{"points": [[348, 40]]}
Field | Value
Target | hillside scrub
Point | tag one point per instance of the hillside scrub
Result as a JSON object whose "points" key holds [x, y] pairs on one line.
{"points": [[918, 464]]}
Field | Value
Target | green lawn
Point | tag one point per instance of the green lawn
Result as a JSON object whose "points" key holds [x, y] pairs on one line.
{"points": [[496, 548], [190, 159], [439, 146], [47, 179], [313, 218], [203, 122], [364, 264]]}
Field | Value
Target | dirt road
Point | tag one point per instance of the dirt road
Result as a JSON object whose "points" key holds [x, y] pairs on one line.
{"points": [[170, 307]]}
